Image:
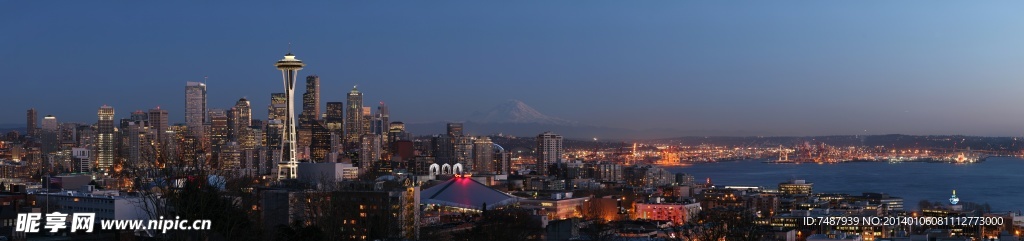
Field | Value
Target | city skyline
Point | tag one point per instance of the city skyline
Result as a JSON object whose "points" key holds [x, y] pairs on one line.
{"points": [[600, 68], [461, 120]]}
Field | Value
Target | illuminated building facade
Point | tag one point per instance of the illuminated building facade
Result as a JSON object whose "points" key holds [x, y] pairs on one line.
{"points": [[677, 213], [218, 131], [369, 152], [310, 101], [158, 121], [796, 187], [320, 142], [483, 156], [276, 110], [105, 138], [195, 107], [549, 151], [239, 120], [335, 117], [354, 117]]}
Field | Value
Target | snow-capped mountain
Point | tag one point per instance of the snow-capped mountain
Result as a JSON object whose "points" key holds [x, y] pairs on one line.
{"points": [[515, 111]]}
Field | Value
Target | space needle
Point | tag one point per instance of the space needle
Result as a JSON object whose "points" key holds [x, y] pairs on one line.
{"points": [[289, 66]]}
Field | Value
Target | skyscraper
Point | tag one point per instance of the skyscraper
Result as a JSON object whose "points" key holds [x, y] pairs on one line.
{"points": [[396, 132], [138, 139], [195, 107], [289, 67], [105, 138], [320, 142], [354, 117], [483, 156], [335, 124], [276, 110], [218, 129], [369, 152], [310, 101], [381, 120], [273, 134], [549, 151], [462, 151], [47, 135], [49, 123], [442, 147], [140, 117], [158, 120], [240, 119], [335, 117], [367, 120], [31, 120], [502, 162]]}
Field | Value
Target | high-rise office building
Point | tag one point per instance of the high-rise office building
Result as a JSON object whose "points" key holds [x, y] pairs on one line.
{"points": [[68, 134], [335, 117], [230, 156], [138, 137], [320, 142], [140, 117], [48, 135], [502, 160], [381, 120], [289, 67], [310, 101], [354, 117], [195, 107], [240, 119], [369, 152], [49, 123], [303, 138], [463, 151], [367, 120], [335, 123], [158, 120], [31, 120], [442, 147], [105, 138], [549, 151], [273, 135], [396, 132], [483, 156], [218, 129], [276, 110]]}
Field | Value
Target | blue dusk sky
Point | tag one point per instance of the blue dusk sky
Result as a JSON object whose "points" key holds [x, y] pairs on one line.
{"points": [[779, 67]]}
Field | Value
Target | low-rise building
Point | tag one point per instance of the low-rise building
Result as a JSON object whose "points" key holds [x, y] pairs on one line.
{"points": [[677, 213], [557, 206]]}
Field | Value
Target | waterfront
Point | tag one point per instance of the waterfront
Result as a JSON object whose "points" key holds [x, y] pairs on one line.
{"points": [[995, 181]]}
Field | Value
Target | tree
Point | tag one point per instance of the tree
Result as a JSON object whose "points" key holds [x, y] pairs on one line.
{"points": [[728, 223], [185, 190]]}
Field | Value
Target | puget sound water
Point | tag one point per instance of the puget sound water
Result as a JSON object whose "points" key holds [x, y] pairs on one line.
{"points": [[998, 181]]}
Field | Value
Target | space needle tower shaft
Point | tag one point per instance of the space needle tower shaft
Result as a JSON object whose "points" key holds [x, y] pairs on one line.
{"points": [[289, 66]]}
